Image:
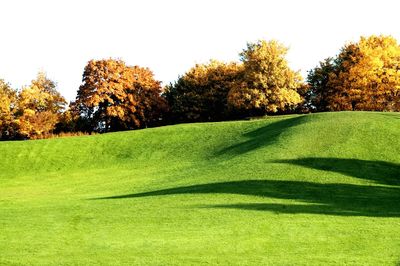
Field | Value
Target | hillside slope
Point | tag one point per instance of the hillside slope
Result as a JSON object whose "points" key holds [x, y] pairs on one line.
{"points": [[321, 188]]}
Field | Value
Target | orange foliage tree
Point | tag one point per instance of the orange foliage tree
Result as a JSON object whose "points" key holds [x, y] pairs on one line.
{"points": [[114, 96], [364, 76]]}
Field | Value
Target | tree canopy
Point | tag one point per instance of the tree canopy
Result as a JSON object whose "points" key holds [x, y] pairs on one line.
{"points": [[39, 107], [8, 105], [364, 76], [268, 84], [114, 96], [201, 94]]}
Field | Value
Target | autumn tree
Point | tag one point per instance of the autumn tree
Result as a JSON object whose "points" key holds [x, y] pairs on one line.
{"points": [[114, 96], [39, 107], [201, 94], [364, 76], [268, 84], [8, 105]]}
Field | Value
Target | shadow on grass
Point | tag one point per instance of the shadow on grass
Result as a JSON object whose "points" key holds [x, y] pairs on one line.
{"points": [[334, 199], [379, 172], [394, 115], [261, 137]]}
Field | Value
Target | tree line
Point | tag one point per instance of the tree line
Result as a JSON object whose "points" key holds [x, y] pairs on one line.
{"points": [[115, 96]]}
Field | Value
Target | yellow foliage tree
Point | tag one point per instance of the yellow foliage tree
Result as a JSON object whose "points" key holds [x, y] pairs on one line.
{"points": [[8, 104], [268, 84], [39, 107]]}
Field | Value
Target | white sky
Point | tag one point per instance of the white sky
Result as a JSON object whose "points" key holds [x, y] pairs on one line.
{"points": [[169, 37]]}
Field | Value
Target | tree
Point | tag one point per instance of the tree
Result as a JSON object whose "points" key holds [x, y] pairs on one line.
{"points": [[268, 84], [39, 107], [8, 105], [114, 96], [144, 104], [364, 76], [316, 95], [201, 94]]}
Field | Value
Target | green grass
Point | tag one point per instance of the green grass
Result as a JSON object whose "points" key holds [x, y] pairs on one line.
{"points": [[292, 190]]}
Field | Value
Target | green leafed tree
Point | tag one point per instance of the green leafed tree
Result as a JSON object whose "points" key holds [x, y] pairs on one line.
{"points": [[201, 94], [316, 97]]}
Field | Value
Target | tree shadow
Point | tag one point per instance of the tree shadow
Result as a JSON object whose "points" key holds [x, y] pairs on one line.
{"points": [[393, 115], [306, 209], [380, 172], [261, 137], [334, 199]]}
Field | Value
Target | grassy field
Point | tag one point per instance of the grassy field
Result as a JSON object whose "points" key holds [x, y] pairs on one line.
{"points": [[292, 190]]}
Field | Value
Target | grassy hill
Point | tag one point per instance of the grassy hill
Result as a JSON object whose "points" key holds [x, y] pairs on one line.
{"points": [[292, 190]]}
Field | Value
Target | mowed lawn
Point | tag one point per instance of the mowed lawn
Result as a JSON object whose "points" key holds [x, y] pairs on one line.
{"points": [[313, 189]]}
